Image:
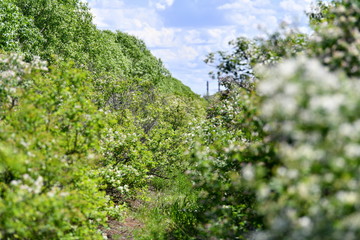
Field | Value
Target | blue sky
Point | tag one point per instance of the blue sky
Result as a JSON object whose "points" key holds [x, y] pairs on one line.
{"points": [[183, 32]]}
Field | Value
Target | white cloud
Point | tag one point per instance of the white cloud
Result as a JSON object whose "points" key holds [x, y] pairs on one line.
{"points": [[126, 19], [157, 37], [183, 53], [251, 15], [258, 16], [194, 37], [244, 4], [161, 4], [112, 4], [221, 36], [295, 5]]}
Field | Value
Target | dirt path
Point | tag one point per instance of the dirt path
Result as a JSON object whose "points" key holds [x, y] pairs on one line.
{"points": [[122, 230]]}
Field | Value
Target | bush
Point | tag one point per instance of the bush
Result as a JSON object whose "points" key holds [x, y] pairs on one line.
{"points": [[313, 117], [49, 138], [232, 139]]}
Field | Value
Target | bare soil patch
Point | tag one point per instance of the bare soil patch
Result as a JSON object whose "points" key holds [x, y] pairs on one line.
{"points": [[122, 230]]}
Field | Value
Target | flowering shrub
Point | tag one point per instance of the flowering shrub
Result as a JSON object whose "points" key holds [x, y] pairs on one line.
{"points": [[337, 37], [145, 139], [48, 141], [313, 116], [13, 69]]}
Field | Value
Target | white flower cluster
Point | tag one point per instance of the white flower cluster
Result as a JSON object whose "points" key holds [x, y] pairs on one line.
{"points": [[12, 69], [111, 140], [314, 116], [114, 177], [28, 184]]}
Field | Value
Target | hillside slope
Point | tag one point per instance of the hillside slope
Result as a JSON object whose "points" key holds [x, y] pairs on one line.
{"points": [[89, 121]]}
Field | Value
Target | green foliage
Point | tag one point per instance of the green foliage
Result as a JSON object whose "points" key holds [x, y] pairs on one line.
{"points": [[18, 32], [107, 61], [170, 211], [63, 29], [232, 136], [285, 43], [49, 137], [170, 85], [66, 27], [143, 64], [236, 68]]}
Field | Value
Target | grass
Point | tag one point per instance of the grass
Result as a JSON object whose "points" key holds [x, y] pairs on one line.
{"points": [[169, 212]]}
